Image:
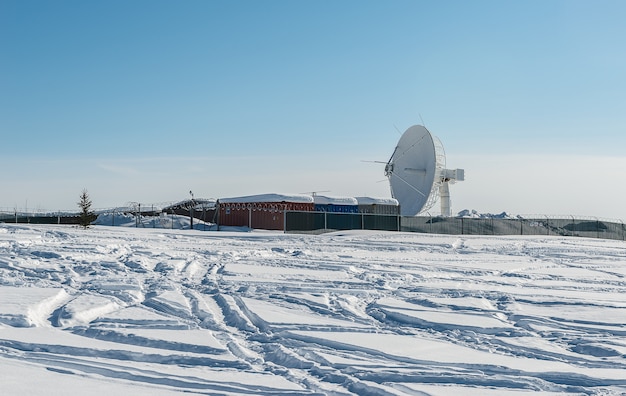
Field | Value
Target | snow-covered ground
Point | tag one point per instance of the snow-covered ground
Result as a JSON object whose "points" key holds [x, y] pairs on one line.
{"points": [[162, 312]]}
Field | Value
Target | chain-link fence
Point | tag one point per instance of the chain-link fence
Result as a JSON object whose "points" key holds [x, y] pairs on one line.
{"points": [[180, 218], [296, 221], [195, 213], [39, 217], [563, 226], [202, 217]]}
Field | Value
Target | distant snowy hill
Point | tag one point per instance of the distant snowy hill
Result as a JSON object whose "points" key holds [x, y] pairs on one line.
{"points": [[143, 311]]}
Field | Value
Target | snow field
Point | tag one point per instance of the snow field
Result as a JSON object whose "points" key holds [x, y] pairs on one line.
{"points": [[160, 312]]}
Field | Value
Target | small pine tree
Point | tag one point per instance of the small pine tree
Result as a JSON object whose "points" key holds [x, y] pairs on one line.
{"points": [[86, 214]]}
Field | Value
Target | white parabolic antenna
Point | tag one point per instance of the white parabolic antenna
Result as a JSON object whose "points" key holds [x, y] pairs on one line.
{"points": [[417, 173]]}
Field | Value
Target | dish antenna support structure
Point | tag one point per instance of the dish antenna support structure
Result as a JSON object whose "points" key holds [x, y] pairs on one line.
{"points": [[417, 173]]}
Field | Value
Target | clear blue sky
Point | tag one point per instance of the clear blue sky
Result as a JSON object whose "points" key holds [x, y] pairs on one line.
{"points": [[146, 100]]}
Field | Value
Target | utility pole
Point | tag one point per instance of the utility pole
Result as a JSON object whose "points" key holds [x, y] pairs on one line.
{"points": [[191, 210]]}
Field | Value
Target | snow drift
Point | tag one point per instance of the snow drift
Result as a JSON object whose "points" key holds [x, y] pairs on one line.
{"points": [[162, 312]]}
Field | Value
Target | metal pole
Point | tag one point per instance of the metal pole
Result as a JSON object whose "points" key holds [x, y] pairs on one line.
{"points": [[216, 215], [193, 202]]}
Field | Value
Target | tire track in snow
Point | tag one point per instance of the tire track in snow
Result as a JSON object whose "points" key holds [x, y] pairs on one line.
{"points": [[513, 300]]}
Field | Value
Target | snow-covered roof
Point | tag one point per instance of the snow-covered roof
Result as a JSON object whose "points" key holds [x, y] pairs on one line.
{"points": [[196, 202], [377, 201], [298, 198], [326, 200]]}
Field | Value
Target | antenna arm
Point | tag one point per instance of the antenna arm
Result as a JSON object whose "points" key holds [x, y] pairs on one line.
{"points": [[409, 184]]}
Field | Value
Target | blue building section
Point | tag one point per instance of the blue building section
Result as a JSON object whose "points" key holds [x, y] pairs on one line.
{"points": [[333, 208], [335, 204]]}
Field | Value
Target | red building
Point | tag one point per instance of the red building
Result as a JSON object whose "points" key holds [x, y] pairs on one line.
{"points": [[265, 211]]}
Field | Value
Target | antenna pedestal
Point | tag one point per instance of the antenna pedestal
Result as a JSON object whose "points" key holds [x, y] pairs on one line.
{"points": [[444, 196]]}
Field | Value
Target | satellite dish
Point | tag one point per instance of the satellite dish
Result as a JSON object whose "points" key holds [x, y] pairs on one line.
{"points": [[417, 174]]}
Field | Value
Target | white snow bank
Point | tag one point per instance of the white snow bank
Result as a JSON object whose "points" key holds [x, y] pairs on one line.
{"points": [[84, 309], [297, 198], [377, 201], [30, 306], [328, 200]]}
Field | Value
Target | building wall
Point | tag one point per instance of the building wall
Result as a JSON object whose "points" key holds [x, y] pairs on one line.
{"points": [[262, 215], [380, 209]]}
